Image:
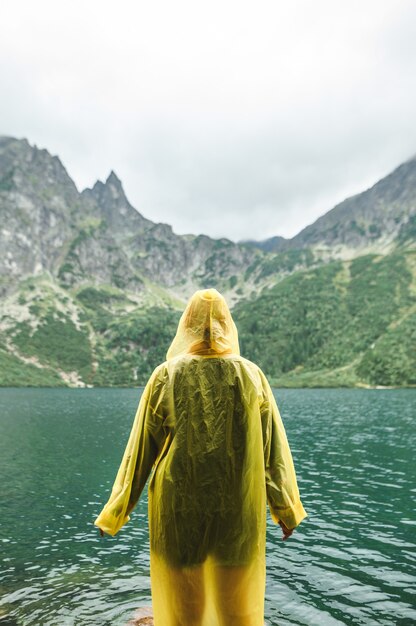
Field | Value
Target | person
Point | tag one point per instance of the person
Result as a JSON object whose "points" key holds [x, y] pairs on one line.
{"points": [[209, 426]]}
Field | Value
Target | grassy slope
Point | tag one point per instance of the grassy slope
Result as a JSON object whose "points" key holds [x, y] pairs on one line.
{"points": [[128, 347], [110, 342], [341, 324], [15, 373]]}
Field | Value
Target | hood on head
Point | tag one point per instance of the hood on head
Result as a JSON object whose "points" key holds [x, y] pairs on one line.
{"points": [[206, 327]]}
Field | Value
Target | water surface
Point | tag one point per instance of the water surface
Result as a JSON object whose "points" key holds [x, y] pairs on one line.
{"points": [[352, 561]]}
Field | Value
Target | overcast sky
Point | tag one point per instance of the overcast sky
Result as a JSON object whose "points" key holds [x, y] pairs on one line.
{"points": [[238, 119]]}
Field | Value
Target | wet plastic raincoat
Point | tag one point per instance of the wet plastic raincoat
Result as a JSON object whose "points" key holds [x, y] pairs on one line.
{"points": [[209, 426]]}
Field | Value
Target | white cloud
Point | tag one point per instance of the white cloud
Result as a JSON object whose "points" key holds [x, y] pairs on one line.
{"points": [[238, 119]]}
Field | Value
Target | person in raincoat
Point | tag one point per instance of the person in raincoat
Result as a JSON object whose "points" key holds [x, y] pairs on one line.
{"points": [[208, 425]]}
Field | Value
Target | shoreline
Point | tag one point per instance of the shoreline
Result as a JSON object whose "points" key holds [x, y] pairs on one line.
{"points": [[273, 385]]}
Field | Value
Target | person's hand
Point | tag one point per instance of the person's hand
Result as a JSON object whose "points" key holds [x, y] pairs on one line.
{"points": [[287, 532]]}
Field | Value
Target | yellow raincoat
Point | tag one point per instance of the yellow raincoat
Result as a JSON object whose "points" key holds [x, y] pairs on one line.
{"points": [[208, 424]]}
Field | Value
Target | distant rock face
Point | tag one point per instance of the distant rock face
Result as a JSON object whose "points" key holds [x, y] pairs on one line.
{"points": [[373, 221], [370, 221], [97, 235], [113, 207], [274, 244], [38, 201]]}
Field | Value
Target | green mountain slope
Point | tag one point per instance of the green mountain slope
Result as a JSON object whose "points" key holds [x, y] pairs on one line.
{"points": [[94, 336], [340, 324], [345, 323]]}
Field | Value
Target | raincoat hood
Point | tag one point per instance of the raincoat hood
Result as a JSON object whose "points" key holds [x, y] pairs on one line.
{"points": [[205, 328]]}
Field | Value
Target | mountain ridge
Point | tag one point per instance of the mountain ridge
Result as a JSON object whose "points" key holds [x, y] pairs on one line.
{"points": [[92, 290], [354, 224], [48, 213]]}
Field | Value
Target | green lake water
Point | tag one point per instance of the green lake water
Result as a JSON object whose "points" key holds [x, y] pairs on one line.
{"points": [[352, 561]]}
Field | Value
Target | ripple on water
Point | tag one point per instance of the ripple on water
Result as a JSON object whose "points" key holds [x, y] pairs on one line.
{"points": [[351, 561]]}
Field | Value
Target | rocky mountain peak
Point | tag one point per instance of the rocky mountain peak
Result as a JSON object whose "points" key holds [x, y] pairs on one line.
{"points": [[31, 170], [112, 188], [114, 181], [111, 203]]}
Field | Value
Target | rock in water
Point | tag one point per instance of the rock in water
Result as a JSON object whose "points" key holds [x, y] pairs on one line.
{"points": [[142, 617]]}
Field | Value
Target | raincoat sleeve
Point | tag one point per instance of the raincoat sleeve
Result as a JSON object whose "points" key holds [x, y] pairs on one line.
{"points": [[281, 484], [145, 441]]}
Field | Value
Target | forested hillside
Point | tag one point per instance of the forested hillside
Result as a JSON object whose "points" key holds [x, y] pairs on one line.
{"points": [[344, 323]]}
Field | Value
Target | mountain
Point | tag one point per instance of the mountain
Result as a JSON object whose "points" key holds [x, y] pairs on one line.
{"points": [[92, 290], [373, 221], [274, 244], [345, 323], [96, 236]]}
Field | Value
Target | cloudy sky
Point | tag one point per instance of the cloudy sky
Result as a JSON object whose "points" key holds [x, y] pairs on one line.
{"points": [[239, 119]]}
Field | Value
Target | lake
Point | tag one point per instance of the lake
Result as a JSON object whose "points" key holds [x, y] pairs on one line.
{"points": [[352, 561]]}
